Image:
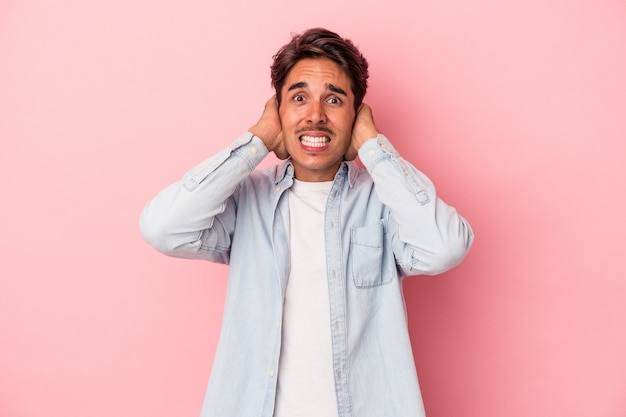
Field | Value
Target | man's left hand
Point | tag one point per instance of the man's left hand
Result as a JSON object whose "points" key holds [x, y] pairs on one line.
{"points": [[363, 130]]}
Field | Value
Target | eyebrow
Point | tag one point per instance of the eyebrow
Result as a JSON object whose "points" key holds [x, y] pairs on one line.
{"points": [[336, 89], [331, 87]]}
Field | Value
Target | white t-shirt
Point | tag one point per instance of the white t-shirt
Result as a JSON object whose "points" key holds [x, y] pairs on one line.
{"points": [[306, 385]]}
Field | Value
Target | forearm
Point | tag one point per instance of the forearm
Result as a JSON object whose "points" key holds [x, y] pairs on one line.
{"points": [[431, 236], [178, 219]]}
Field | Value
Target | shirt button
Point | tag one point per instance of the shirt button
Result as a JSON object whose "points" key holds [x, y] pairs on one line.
{"points": [[253, 149], [278, 325], [277, 189], [372, 152], [272, 374]]}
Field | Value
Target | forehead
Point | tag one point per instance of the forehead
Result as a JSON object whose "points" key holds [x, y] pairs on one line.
{"points": [[317, 70]]}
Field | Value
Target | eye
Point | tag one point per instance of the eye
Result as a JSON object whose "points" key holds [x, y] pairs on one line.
{"points": [[334, 100], [298, 97]]}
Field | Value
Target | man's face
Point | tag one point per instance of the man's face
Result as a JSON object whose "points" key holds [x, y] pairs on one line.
{"points": [[317, 114]]}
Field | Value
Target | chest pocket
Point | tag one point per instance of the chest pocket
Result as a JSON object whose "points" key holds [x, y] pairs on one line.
{"points": [[369, 265]]}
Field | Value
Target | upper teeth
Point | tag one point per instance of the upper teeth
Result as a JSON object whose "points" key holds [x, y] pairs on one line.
{"points": [[314, 140]]}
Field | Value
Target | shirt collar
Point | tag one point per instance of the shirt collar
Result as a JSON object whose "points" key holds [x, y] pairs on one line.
{"points": [[285, 171]]}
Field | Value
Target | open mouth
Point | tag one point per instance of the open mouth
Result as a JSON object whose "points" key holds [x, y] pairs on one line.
{"points": [[317, 142]]}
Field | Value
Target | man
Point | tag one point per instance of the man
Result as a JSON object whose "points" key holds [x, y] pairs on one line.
{"points": [[314, 321]]}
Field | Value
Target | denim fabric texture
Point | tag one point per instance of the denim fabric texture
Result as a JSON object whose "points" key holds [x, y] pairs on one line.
{"points": [[382, 223]]}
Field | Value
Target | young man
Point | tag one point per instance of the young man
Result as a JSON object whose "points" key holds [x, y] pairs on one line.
{"points": [[314, 321]]}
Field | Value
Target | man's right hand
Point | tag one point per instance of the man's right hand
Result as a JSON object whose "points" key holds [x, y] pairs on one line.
{"points": [[269, 129]]}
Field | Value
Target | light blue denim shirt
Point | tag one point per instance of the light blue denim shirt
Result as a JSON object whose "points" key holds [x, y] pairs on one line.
{"points": [[381, 224]]}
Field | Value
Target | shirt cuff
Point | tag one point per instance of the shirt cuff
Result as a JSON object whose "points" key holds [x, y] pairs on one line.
{"points": [[376, 150], [249, 147]]}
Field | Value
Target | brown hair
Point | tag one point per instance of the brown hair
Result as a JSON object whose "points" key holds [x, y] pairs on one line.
{"points": [[321, 43]]}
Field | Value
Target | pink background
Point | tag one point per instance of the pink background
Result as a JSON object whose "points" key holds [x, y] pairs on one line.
{"points": [[515, 109]]}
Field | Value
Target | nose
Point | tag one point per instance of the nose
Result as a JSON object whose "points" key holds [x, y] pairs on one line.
{"points": [[316, 113]]}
